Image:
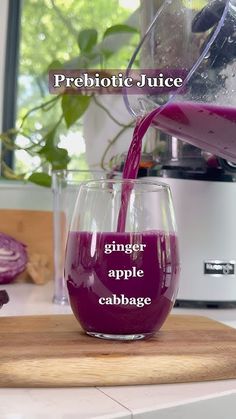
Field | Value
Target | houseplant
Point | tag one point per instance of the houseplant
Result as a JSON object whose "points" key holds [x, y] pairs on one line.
{"points": [[66, 111]]}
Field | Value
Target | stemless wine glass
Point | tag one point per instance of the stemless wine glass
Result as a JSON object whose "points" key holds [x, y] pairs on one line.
{"points": [[122, 282]]}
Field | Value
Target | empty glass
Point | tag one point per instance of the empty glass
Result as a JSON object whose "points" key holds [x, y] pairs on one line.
{"points": [[65, 186]]}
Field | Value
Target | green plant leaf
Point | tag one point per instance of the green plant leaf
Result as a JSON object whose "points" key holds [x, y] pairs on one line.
{"points": [[56, 156], [50, 140], [73, 107], [42, 179], [55, 65], [59, 158], [87, 39], [116, 29]]}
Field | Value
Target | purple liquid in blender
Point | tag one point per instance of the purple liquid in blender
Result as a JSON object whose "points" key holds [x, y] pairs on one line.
{"points": [[209, 127], [89, 284]]}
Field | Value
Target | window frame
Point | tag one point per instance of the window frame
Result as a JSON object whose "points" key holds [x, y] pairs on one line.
{"points": [[11, 72]]}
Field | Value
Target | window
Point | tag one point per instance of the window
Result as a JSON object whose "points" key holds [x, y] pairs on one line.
{"points": [[49, 34]]}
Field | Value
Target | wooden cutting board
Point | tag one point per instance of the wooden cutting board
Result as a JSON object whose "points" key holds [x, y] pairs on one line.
{"points": [[52, 351]]}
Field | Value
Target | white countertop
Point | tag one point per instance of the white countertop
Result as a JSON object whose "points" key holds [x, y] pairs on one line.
{"points": [[171, 401]]}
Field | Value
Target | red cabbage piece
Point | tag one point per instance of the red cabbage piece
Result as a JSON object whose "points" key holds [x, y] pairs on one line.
{"points": [[13, 258]]}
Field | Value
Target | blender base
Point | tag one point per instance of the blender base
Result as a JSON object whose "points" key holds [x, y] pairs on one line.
{"points": [[205, 216]]}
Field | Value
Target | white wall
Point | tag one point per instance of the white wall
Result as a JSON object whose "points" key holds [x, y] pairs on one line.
{"points": [[3, 33], [25, 196]]}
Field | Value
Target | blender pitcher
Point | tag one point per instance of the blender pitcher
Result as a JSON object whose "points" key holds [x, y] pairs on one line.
{"points": [[197, 40]]}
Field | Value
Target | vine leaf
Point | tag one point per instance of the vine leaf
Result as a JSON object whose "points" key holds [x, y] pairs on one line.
{"points": [[55, 65], [58, 157], [73, 107], [113, 30], [42, 179], [87, 40]]}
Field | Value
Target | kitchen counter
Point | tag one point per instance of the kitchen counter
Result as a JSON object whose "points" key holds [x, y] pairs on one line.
{"points": [[172, 401]]}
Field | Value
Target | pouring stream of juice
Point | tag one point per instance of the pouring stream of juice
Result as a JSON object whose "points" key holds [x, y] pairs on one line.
{"points": [[209, 127]]}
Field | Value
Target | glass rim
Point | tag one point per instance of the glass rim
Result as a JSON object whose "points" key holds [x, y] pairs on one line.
{"points": [[60, 171], [96, 184]]}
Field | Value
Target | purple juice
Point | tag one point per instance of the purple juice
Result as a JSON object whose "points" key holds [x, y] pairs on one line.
{"points": [[131, 166], [209, 127], [122, 283]]}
